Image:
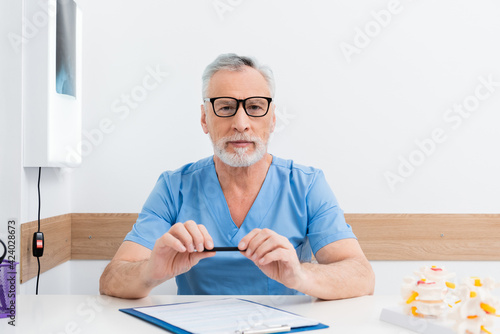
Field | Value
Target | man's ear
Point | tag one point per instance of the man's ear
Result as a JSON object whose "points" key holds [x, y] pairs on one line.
{"points": [[273, 109], [204, 119]]}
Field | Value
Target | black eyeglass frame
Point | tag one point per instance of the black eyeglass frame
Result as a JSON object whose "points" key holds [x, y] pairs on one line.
{"points": [[212, 100]]}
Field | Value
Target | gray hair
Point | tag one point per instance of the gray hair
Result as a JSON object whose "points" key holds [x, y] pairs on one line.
{"points": [[233, 62]]}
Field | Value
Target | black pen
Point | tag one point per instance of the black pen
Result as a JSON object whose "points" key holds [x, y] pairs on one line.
{"points": [[223, 249]]}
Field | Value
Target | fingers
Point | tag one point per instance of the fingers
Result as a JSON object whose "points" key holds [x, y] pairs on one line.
{"points": [[247, 238], [187, 236], [176, 251], [167, 241], [275, 255], [209, 243], [278, 254], [263, 242], [197, 238]]}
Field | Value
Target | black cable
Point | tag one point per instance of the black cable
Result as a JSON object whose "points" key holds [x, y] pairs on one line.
{"points": [[39, 198], [39, 205], [38, 275]]}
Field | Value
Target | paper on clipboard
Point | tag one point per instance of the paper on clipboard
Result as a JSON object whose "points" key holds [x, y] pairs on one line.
{"points": [[223, 316]]}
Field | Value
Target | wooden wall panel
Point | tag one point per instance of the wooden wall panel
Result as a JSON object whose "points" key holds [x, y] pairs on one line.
{"points": [[97, 236], [57, 250], [428, 236]]}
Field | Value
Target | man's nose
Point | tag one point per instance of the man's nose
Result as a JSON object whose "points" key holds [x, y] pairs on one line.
{"points": [[241, 121]]}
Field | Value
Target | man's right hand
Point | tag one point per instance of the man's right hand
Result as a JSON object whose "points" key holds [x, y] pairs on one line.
{"points": [[177, 251]]}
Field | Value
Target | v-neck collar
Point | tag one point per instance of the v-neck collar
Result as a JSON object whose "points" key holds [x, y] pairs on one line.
{"points": [[219, 209]]}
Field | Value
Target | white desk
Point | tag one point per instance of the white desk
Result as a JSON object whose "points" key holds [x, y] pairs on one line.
{"points": [[69, 314]]}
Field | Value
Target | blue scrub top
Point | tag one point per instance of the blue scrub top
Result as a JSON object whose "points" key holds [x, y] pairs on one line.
{"points": [[295, 201]]}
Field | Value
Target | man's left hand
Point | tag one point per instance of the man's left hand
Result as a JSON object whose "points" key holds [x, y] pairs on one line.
{"points": [[274, 255]]}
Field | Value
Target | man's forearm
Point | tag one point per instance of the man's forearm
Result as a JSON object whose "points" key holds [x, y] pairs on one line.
{"points": [[124, 279], [344, 279]]}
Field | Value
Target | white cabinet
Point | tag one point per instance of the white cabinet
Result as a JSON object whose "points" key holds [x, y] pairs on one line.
{"points": [[51, 45]]}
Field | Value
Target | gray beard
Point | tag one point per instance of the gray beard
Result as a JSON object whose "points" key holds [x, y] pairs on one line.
{"points": [[240, 157]]}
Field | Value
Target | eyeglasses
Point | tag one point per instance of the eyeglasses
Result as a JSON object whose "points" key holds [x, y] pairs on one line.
{"points": [[255, 106]]}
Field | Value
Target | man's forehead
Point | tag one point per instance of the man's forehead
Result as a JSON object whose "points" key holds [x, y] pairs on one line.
{"points": [[246, 80]]}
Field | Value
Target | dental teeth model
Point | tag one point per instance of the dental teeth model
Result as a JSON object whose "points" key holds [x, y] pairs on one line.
{"points": [[476, 308], [425, 294]]}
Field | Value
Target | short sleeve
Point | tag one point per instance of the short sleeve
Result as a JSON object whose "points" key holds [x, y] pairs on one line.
{"points": [[157, 215], [326, 222]]}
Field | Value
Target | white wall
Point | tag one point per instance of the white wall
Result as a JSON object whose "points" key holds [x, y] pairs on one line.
{"points": [[55, 192], [10, 120], [57, 281], [10, 128], [85, 274], [352, 119], [18, 185], [18, 191], [353, 116]]}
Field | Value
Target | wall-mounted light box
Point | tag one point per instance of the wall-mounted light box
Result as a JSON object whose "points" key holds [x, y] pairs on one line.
{"points": [[52, 76]]}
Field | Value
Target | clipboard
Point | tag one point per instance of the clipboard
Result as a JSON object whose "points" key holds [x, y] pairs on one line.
{"points": [[206, 317]]}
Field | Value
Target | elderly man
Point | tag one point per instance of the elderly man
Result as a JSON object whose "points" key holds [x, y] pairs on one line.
{"points": [[275, 212]]}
